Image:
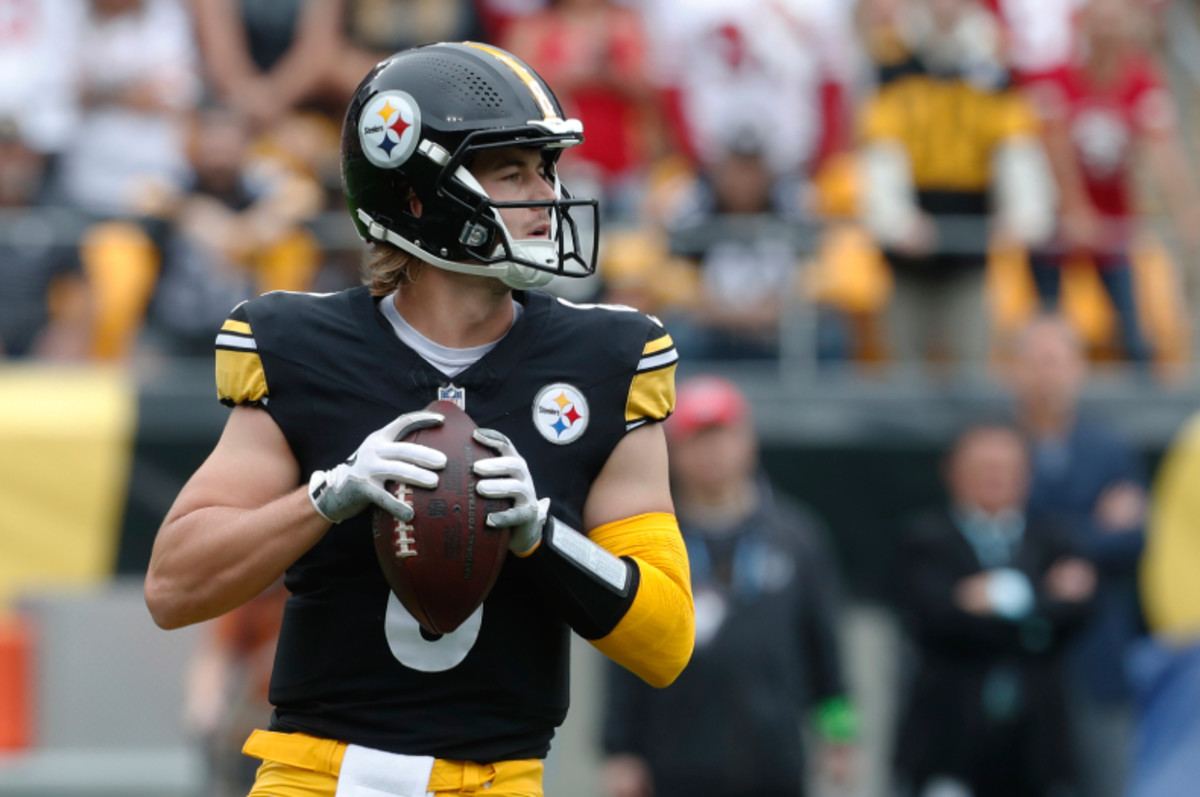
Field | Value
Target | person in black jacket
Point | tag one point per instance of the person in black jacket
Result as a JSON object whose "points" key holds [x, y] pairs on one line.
{"points": [[990, 595], [766, 643]]}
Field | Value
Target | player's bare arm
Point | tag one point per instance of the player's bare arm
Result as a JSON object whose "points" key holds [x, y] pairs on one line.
{"points": [[238, 523], [634, 481]]}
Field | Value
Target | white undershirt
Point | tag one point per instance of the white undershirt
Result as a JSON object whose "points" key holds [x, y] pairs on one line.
{"points": [[449, 361]]}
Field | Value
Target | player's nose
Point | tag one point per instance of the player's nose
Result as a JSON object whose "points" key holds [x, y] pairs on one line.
{"points": [[543, 190]]}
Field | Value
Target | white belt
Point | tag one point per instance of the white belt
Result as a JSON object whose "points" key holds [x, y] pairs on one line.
{"points": [[374, 773]]}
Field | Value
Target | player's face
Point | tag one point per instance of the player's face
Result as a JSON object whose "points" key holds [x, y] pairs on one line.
{"points": [[517, 174]]}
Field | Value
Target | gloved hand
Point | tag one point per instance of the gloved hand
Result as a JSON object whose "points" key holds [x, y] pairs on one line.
{"points": [[507, 476], [345, 490]]}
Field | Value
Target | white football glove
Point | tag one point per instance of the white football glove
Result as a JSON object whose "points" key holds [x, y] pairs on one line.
{"points": [[345, 490], [507, 476]]}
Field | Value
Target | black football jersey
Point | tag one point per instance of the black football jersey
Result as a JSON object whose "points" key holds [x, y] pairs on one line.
{"points": [[565, 384]]}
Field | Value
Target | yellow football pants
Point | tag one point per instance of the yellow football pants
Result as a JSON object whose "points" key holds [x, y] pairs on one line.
{"points": [[297, 765]]}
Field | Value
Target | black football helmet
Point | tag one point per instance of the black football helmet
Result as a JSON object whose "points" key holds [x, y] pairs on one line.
{"points": [[415, 123]]}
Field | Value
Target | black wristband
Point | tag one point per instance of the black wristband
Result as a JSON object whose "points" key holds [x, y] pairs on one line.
{"points": [[591, 588]]}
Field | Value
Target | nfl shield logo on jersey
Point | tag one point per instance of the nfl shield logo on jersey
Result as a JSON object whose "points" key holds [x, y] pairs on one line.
{"points": [[453, 394]]}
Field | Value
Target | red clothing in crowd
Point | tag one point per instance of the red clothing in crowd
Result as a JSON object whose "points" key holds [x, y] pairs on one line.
{"points": [[1105, 122], [590, 70]]}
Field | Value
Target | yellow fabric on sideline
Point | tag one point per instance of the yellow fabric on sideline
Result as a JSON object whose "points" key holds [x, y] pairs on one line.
{"points": [[67, 440], [655, 638], [1169, 586]]}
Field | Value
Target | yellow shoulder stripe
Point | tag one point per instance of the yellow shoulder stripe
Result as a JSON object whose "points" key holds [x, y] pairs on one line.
{"points": [[535, 88], [658, 344], [236, 326], [240, 377], [651, 395]]}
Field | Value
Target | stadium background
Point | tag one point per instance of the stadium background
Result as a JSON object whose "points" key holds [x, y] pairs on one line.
{"points": [[93, 450]]}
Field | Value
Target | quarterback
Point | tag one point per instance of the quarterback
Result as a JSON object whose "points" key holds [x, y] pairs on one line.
{"points": [[449, 156]]}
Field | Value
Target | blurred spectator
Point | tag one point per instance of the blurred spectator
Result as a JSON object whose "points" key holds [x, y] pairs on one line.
{"points": [[766, 619], [846, 280], [638, 271], [45, 305], [944, 182], [592, 52], [227, 685], [781, 67], [1039, 35], [377, 28], [136, 71], [266, 57], [497, 15], [1166, 666], [1090, 481], [879, 27], [744, 232], [233, 236], [990, 595], [38, 46], [1099, 111]]}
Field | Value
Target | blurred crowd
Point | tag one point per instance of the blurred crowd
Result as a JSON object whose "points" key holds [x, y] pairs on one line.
{"points": [[942, 184], [1048, 607], [880, 181]]}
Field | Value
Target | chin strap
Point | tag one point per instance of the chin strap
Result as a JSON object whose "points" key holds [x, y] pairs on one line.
{"points": [[512, 274]]}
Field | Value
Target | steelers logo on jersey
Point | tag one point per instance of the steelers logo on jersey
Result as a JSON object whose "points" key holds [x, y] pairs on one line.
{"points": [[389, 128], [560, 413]]}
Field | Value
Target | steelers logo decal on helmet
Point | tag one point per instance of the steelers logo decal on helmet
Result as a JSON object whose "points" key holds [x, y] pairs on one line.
{"points": [[560, 413], [390, 128]]}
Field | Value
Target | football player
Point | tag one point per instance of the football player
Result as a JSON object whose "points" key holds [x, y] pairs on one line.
{"points": [[449, 156]]}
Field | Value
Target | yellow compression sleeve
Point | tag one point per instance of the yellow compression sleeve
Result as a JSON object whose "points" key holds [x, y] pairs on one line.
{"points": [[654, 639]]}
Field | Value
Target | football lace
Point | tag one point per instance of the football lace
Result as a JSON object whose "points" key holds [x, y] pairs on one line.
{"points": [[405, 544]]}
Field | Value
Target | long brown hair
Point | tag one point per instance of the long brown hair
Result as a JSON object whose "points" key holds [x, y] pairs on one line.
{"points": [[387, 268]]}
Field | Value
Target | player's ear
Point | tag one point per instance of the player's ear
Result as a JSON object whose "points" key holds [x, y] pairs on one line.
{"points": [[414, 204]]}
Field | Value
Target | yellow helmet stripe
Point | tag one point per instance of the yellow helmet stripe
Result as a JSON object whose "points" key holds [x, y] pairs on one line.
{"points": [[527, 77]]}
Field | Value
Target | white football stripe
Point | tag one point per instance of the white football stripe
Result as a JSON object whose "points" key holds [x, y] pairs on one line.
{"points": [[235, 342], [657, 360]]}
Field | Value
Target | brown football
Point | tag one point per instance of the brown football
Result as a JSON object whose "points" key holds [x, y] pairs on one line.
{"points": [[444, 563]]}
